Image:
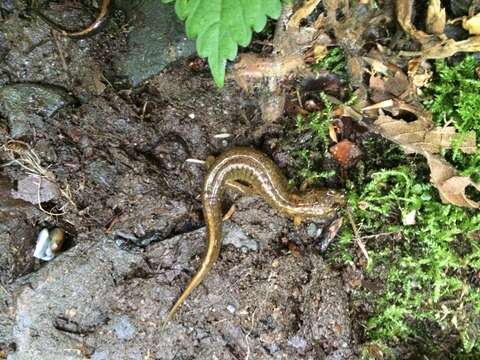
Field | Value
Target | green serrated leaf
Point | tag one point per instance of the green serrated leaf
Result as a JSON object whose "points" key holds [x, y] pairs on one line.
{"points": [[221, 25]]}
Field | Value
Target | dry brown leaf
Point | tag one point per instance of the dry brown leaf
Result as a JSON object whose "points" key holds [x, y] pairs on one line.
{"points": [[404, 16], [319, 52], [419, 73], [451, 47], [436, 17], [302, 13], [422, 138], [450, 186], [436, 46], [332, 133], [472, 25], [420, 135]]}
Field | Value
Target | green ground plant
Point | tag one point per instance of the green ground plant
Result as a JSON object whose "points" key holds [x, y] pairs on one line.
{"points": [[425, 267], [429, 270], [453, 98], [318, 124], [334, 62]]}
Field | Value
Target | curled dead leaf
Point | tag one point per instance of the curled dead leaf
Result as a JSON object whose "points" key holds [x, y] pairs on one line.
{"points": [[419, 73], [436, 17], [450, 47], [306, 9], [332, 133], [423, 138], [435, 46], [421, 135], [450, 185], [405, 15], [472, 25]]}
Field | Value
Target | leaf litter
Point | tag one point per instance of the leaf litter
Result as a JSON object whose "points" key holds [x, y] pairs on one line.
{"points": [[391, 97]]}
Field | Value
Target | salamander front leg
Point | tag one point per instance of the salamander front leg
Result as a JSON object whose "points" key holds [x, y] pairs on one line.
{"points": [[241, 188]]}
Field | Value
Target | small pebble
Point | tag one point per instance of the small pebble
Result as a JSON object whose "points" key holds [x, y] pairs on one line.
{"points": [[314, 231], [297, 342], [123, 328]]}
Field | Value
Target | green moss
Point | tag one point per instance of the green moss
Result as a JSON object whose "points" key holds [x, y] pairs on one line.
{"points": [[454, 98], [428, 273], [425, 268], [429, 270], [316, 125], [455, 93], [334, 62]]}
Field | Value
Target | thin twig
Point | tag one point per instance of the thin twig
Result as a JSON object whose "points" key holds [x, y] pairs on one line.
{"points": [[195, 161], [59, 50], [358, 238], [377, 235], [6, 292], [40, 202]]}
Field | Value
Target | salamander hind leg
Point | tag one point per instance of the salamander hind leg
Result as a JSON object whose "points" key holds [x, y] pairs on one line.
{"points": [[209, 161], [297, 220], [296, 198]]}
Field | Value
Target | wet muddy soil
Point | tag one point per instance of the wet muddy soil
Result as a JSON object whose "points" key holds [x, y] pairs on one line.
{"points": [[126, 191]]}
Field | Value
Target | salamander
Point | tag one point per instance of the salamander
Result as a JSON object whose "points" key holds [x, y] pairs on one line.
{"points": [[239, 166], [91, 29]]}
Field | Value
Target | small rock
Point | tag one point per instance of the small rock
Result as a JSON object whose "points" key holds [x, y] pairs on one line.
{"points": [[102, 173], [123, 328], [156, 39], [409, 219], [7, 5], [36, 189], [233, 234], [25, 105], [314, 231], [297, 342]]}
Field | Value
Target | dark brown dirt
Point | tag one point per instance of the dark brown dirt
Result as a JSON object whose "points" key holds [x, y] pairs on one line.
{"points": [[130, 207]]}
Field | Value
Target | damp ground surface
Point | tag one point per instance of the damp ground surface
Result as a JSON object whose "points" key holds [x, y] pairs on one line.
{"points": [[115, 145]]}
